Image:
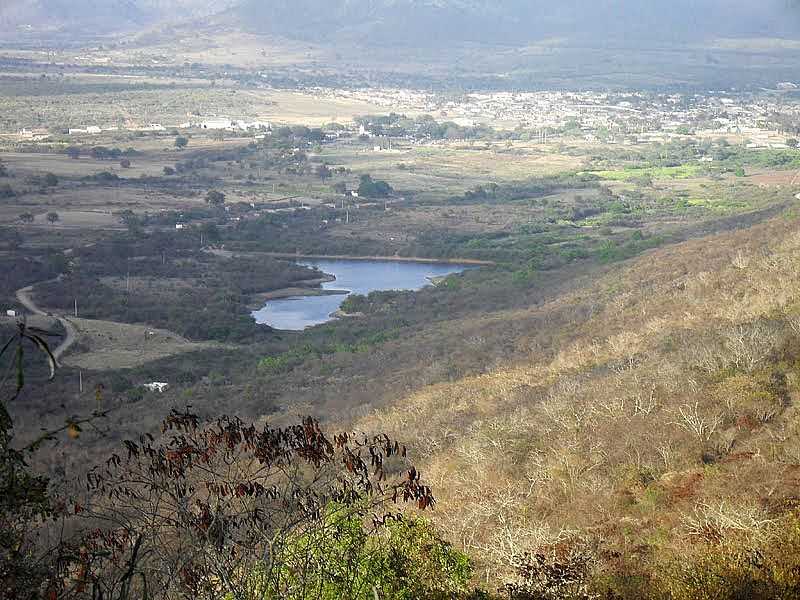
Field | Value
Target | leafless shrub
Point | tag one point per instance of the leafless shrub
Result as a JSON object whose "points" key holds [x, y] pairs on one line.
{"points": [[667, 453], [749, 345], [740, 261], [512, 539], [196, 514], [699, 425], [561, 573], [713, 523]]}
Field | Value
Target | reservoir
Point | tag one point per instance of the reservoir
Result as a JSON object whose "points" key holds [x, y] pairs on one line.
{"points": [[352, 277]]}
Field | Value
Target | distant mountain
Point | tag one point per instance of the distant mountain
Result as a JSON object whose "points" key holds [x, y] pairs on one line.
{"points": [[430, 22], [518, 21], [111, 15]]}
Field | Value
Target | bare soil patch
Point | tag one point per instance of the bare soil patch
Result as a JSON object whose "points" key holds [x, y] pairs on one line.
{"points": [[110, 345]]}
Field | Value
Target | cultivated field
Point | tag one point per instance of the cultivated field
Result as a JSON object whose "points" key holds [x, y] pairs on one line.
{"points": [[105, 345]]}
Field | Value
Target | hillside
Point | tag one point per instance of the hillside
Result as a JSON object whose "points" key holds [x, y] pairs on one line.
{"points": [[655, 416], [516, 21]]}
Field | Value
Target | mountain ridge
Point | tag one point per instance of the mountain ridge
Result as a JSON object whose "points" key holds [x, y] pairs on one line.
{"points": [[425, 22]]}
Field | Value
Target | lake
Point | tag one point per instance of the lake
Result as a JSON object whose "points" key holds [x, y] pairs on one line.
{"points": [[354, 277]]}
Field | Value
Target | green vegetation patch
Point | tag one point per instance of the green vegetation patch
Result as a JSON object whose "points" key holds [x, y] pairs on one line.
{"points": [[685, 171]]}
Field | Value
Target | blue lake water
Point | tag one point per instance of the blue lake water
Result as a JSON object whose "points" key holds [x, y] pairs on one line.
{"points": [[354, 276]]}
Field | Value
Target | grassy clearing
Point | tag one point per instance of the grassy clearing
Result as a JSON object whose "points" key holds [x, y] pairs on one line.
{"points": [[107, 345], [686, 171]]}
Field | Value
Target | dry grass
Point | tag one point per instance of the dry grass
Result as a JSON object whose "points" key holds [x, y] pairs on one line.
{"points": [[170, 106], [607, 427], [454, 167], [111, 345]]}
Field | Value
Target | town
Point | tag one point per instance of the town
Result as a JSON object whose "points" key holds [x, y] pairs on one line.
{"points": [[769, 119]]}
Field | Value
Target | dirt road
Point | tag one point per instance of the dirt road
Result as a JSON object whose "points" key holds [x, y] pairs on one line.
{"points": [[24, 298]]}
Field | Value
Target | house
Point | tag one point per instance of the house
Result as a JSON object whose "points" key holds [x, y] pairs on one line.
{"points": [[216, 124], [180, 225], [156, 386], [35, 134], [93, 130], [11, 313]]}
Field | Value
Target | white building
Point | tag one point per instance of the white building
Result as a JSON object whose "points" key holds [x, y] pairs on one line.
{"points": [[156, 386], [217, 124]]}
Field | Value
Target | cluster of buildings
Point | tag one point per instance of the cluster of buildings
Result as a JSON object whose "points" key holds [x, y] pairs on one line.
{"points": [[212, 123], [764, 120], [634, 116]]}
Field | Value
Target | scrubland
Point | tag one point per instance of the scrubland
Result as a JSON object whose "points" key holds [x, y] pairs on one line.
{"points": [[661, 422]]}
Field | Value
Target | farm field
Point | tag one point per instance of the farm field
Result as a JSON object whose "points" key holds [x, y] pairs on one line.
{"points": [[106, 345]]}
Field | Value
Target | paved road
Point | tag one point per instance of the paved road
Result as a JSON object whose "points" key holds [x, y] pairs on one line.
{"points": [[24, 298]]}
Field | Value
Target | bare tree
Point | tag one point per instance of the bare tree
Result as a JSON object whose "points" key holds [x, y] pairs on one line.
{"points": [[209, 508]]}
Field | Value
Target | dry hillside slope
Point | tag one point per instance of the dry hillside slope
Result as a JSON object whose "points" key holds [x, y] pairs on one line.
{"points": [[666, 417]]}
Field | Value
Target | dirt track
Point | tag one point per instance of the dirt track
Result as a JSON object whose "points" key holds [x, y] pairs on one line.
{"points": [[23, 297]]}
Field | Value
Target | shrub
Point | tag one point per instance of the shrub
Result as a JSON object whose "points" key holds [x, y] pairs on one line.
{"points": [[734, 569], [231, 509], [562, 573], [405, 560]]}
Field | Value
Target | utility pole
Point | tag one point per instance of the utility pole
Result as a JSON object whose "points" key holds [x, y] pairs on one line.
{"points": [[80, 381], [76, 308]]}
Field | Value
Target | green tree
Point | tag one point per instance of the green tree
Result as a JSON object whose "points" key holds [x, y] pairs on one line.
{"points": [[132, 221], [404, 560], [215, 198], [50, 180], [24, 495], [324, 172], [371, 188], [26, 217], [53, 217], [210, 232], [181, 142]]}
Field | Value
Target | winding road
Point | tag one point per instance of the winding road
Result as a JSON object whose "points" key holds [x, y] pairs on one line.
{"points": [[24, 298]]}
